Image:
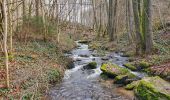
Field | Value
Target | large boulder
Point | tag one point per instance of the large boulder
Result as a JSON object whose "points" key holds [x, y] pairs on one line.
{"points": [[113, 70], [136, 66], [151, 88]]}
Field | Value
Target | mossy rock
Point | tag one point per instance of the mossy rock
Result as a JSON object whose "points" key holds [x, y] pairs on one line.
{"points": [[120, 79], [114, 70], [152, 88], [132, 85], [91, 65], [104, 76], [128, 54], [144, 64], [131, 66]]}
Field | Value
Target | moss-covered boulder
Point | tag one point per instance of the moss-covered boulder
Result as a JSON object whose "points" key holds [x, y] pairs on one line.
{"points": [[151, 88], [144, 64], [113, 70], [91, 65], [131, 66]]}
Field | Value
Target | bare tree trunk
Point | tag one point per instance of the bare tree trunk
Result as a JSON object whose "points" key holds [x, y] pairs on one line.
{"points": [[5, 41], [37, 7], [130, 19], [110, 20], [114, 20], [94, 15], [148, 26], [10, 5], [137, 26], [43, 20]]}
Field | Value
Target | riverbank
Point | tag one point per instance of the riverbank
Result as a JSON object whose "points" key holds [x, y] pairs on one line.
{"points": [[158, 58], [156, 64], [35, 66]]}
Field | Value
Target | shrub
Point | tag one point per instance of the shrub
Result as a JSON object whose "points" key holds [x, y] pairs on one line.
{"points": [[53, 76]]}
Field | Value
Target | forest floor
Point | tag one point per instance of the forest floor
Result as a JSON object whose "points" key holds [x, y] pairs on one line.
{"points": [[35, 66]]}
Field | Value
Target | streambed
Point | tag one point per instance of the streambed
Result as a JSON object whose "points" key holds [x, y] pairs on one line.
{"points": [[83, 84]]}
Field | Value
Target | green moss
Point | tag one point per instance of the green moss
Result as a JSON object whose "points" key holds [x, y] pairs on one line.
{"points": [[104, 76], [130, 75], [128, 54], [115, 70], [53, 76], [92, 65], [27, 96], [144, 64], [152, 88], [131, 85], [130, 66], [144, 91], [120, 79]]}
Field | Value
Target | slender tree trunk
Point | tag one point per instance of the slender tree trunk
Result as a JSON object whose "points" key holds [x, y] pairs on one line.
{"points": [[94, 15], [10, 5], [5, 41], [37, 7], [114, 20], [110, 20], [130, 16]]}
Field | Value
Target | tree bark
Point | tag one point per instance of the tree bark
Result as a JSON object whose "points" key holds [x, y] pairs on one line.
{"points": [[5, 41], [148, 26], [137, 26]]}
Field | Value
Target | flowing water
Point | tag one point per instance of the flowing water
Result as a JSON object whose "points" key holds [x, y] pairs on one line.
{"points": [[82, 84]]}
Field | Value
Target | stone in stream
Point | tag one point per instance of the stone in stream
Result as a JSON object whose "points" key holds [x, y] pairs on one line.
{"points": [[84, 41], [78, 59], [95, 54], [151, 88], [91, 65], [136, 66], [105, 58], [113, 70], [120, 79], [84, 55], [70, 63]]}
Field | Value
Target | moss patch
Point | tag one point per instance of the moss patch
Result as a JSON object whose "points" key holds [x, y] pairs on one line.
{"points": [[53, 76], [130, 66], [151, 88], [144, 64], [92, 65]]}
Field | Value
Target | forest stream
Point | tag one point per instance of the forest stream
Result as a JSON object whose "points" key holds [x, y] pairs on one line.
{"points": [[83, 84]]}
